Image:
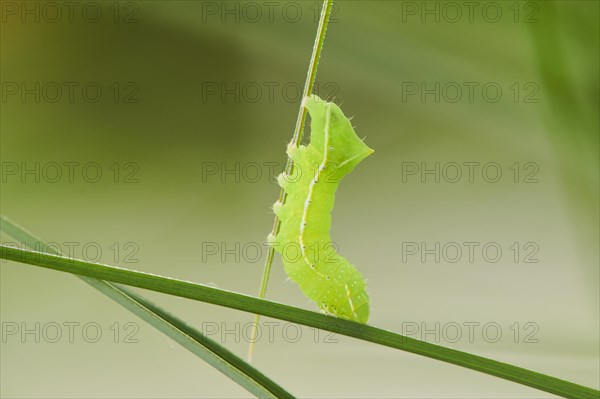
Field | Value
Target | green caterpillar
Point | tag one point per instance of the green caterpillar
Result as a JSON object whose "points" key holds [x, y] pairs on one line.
{"points": [[309, 256]]}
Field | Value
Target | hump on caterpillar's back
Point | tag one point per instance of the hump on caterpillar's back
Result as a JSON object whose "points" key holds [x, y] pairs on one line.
{"points": [[332, 134]]}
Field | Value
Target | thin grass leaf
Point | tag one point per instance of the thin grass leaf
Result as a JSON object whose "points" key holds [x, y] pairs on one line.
{"points": [[208, 350], [311, 75], [199, 292]]}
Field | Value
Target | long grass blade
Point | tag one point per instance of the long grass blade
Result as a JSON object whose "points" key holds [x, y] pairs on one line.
{"points": [[208, 350], [203, 293]]}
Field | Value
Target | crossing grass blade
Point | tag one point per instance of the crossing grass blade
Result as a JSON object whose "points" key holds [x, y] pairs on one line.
{"points": [[203, 293], [208, 350]]}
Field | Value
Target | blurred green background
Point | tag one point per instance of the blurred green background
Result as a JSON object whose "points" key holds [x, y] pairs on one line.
{"points": [[197, 102]]}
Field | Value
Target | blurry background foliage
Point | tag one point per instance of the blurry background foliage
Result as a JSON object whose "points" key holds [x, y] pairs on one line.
{"points": [[173, 54]]}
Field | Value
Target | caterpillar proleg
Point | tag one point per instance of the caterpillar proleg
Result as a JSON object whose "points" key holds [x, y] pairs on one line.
{"points": [[309, 256]]}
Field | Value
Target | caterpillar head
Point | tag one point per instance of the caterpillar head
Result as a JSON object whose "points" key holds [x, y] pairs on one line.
{"points": [[344, 149]]}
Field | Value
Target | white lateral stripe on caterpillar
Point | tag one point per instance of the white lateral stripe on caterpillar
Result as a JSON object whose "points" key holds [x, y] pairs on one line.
{"points": [[311, 187]]}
